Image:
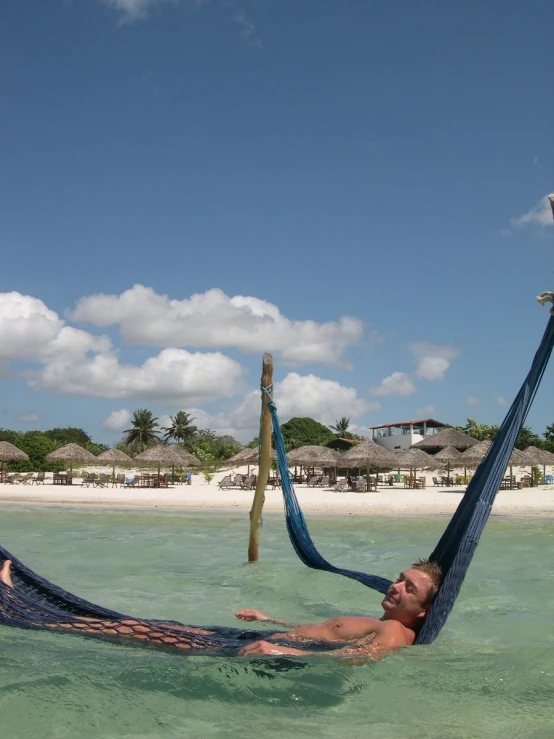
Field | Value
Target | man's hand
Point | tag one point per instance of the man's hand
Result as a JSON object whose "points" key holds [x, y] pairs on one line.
{"points": [[264, 647], [249, 614]]}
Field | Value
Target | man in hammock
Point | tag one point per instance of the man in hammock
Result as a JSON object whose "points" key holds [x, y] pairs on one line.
{"points": [[405, 607]]}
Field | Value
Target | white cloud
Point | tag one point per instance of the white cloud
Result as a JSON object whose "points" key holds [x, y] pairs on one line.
{"points": [[500, 400], [173, 376], [117, 420], [432, 361], [540, 215], [29, 418], [133, 10], [472, 400], [427, 411], [214, 320], [398, 383], [248, 32]]}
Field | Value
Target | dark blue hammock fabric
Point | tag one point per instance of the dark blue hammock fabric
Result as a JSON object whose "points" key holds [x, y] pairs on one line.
{"points": [[455, 549]]}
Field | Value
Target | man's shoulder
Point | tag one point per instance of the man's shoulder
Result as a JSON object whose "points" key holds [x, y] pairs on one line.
{"points": [[394, 631]]}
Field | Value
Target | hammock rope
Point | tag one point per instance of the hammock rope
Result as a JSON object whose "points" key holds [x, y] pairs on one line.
{"points": [[456, 547]]}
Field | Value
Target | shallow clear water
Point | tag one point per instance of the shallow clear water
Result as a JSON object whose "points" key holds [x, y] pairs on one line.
{"points": [[490, 673]]}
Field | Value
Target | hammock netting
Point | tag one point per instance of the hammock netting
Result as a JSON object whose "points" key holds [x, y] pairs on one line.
{"points": [[36, 603]]}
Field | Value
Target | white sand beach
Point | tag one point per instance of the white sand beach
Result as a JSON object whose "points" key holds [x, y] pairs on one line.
{"points": [[387, 501]]}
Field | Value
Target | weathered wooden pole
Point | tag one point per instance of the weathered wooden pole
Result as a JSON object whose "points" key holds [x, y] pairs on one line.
{"points": [[265, 461]]}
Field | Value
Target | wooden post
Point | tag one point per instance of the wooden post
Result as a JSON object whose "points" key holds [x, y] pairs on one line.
{"points": [[265, 462]]}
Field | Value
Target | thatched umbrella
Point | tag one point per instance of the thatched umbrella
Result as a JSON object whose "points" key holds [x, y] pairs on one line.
{"points": [[186, 459], [448, 454], [10, 451], [474, 456], [369, 454], [72, 453], [415, 459], [116, 458], [446, 437], [540, 457], [312, 455], [164, 454]]}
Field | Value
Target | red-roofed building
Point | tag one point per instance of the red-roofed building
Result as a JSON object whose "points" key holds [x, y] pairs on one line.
{"points": [[399, 436]]}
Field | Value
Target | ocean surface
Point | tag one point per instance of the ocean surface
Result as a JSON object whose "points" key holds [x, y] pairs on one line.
{"points": [[490, 673]]}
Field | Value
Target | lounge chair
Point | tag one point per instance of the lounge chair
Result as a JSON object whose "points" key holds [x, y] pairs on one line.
{"points": [[134, 483], [119, 480], [25, 479], [102, 480], [14, 479], [341, 486], [88, 479], [39, 479], [225, 482]]}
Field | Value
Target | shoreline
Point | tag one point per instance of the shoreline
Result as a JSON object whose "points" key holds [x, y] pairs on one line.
{"points": [[203, 498]]}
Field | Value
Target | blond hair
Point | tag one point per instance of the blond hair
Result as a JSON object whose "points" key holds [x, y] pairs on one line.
{"points": [[434, 573]]}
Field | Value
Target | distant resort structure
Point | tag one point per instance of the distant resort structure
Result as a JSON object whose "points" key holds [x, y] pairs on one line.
{"points": [[401, 435]]}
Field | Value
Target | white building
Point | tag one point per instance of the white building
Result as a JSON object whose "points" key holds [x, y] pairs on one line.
{"points": [[399, 436]]}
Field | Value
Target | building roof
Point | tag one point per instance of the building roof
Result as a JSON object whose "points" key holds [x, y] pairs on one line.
{"points": [[431, 423]]}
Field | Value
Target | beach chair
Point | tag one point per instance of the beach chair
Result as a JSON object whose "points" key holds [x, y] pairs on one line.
{"points": [[25, 479], [360, 487], [314, 481], [225, 482], [14, 479], [341, 486], [88, 479], [548, 479], [119, 480], [436, 482], [325, 481], [39, 479], [237, 483], [102, 480], [248, 483], [134, 483]]}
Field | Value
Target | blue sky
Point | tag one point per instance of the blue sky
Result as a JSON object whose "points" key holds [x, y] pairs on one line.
{"points": [[357, 187]]}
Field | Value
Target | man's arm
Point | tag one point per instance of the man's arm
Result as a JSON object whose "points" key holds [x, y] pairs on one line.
{"points": [[388, 637], [249, 614]]}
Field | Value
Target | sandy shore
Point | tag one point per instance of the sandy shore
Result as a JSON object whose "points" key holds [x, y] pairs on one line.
{"points": [[387, 501]]}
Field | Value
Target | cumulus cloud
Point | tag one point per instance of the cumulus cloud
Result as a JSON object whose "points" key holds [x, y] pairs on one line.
{"points": [[540, 215], [499, 400], [173, 376], [472, 400], [117, 420], [215, 320], [398, 384], [133, 10], [428, 411], [28, 418], [432, 361]]}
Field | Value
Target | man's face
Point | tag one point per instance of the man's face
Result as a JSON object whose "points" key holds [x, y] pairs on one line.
{"points": [[407, 598]]}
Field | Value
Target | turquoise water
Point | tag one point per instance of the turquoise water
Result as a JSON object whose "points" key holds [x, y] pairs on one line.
{"points": [[490, 673]]}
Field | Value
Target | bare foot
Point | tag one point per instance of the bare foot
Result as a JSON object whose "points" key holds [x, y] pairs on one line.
{"points": [[5, 576]]}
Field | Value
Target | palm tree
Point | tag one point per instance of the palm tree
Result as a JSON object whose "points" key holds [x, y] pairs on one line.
{"points": [[144, 431], [181, 427], [341, 428]]}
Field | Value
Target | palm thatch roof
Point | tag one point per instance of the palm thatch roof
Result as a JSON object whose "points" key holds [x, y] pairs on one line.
{"points": [[539, 456], [314, 455], [475, 455], [248, 456], [448, 454], [71, 453], [415, 459], [115, 457], [446, 437], [186, 458], [10, 451], [369, 453], [168, 455]]}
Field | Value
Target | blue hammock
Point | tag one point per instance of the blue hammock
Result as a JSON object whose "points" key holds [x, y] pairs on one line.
{"points": [[456, 546]]}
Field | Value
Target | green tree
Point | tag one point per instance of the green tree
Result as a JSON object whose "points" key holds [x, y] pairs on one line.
{"points": [[480, 431], [341, 428], [69, 435], [143, 432], [181, 428], [305, 431], [527, 437]]}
